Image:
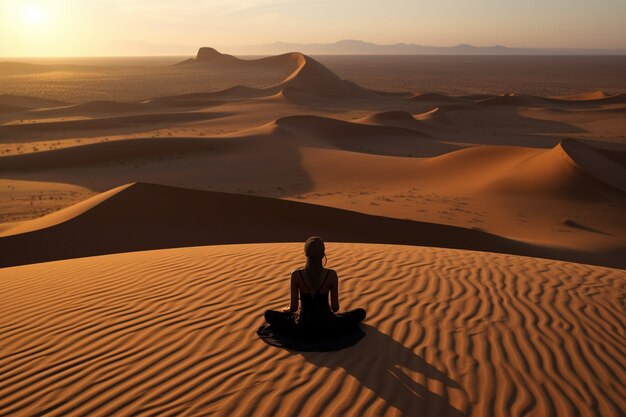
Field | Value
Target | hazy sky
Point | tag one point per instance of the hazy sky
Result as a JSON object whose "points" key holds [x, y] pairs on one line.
{"points": [[97, 27]]}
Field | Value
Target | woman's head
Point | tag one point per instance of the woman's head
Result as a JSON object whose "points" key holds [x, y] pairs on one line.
{"points": [[315, 251], [314, 248]]}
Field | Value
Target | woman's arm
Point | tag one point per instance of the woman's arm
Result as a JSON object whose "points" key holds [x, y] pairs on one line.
{"points": [[334, 293], [293, 305]]}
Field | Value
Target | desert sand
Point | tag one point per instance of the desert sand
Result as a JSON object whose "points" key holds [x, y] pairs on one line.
{"points": [[450, 332], [484, 233], [546, 172]]}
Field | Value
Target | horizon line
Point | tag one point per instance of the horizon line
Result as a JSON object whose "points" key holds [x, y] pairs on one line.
{"points": [[443, 50]]}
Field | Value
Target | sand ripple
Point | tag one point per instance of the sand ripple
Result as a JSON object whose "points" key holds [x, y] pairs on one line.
{"points": [[449, 332]]}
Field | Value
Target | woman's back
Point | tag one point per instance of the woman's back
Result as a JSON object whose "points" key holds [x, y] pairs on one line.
{"points": [[314, 307]]}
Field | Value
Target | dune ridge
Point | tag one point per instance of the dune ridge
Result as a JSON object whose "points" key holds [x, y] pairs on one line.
{"points": [[442, 99], [569, 170], [103, 107], [117, 151], [596, 97], [512, 99], [103, 123], [424, 122], [361, 136], [391, 118], [28, 102], [449, 332], [147, 216]]}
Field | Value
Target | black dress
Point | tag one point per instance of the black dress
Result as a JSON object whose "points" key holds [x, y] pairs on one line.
{"points": [[314, 322]]}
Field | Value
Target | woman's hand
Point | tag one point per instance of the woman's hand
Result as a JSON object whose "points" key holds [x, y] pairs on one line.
{"points": [[286, 309]]}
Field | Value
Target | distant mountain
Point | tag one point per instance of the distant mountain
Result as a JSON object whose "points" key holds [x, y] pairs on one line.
{"points": [[357, 47]]}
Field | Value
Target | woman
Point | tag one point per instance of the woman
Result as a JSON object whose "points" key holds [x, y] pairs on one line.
{"points": [[313, 283]]}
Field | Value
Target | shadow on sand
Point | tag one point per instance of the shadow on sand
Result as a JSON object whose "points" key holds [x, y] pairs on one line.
{"points": [[379, 362]]}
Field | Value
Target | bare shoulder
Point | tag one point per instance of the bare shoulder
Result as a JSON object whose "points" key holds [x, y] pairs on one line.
{"points": [[332, 274], [295, 274]]}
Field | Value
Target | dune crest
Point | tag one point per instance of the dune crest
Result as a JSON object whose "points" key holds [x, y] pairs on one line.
{"points": [[595, 96], [105, 107], [329, 127], [144, 216], [511, 99], [311, 76], [440, 99], [390, 117], [571, 169], [151, 216], [391, 138], [600, 164]]}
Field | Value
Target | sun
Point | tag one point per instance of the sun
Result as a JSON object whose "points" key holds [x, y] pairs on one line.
{"points": [[33, 15]]}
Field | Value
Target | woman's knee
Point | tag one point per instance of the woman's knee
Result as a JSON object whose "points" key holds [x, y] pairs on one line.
{"points": [[356, 315], [269, 315]]}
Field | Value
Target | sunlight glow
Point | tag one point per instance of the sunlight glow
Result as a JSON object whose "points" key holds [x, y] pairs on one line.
{"points": [[179, 27], [33, 15]]}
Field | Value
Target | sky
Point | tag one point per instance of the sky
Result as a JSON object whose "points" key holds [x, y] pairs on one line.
{"points": [[31, 28]]}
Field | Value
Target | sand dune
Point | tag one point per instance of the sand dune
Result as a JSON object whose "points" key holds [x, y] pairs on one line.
{"points": [[28, 102], [571, 170], [449, 333], [325, 132], [607, 166], [397, 118], [441, 99], [303, 73], [597, 97], [436, 117], [478, 96], [100, 107], [64, 128], [313, 77], [209, 99], [148, 216], [40, 108], [511, 99], [11, 109], [114, 152], [328, 127], [358, 137], [210, 57]]}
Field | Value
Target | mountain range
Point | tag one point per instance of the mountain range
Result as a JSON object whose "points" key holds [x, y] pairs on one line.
{"points": [[358, 47], [344, 47]]}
